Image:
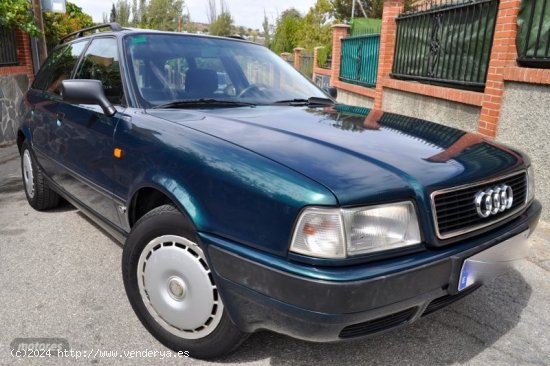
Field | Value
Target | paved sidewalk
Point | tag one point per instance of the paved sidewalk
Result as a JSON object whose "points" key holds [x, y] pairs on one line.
{"points": [[8, 152]]}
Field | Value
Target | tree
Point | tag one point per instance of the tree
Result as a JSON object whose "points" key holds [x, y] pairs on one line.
{"points": [[285, 38], [212, 11], [122, 14], [112, 17], [164, 14], [17, 14], [372, 8], [316, 28], [342, 9], [223, 25], [57, 25], [266, 29]]}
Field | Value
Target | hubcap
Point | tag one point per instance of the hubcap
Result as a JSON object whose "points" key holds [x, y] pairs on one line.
{"points": [[177, 287], [28, 176]]}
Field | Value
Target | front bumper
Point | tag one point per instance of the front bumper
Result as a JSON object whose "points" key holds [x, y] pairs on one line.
{"points": [[384, 295]]}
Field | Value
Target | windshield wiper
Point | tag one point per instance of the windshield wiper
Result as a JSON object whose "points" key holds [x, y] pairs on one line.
{"points": [[210, 102], [311, 102]]}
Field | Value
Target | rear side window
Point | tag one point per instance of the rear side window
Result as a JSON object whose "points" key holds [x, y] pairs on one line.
{"points": [[101, 63], [58, 67]]}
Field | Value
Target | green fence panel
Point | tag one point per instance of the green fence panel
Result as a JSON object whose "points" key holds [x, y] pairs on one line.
{"points": [[446, 44], [533, 39], [359, 60], [364, 26]]}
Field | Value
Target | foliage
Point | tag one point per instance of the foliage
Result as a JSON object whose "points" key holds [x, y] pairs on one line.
{"points": [[286, 35], [363, 9], [112, 17], [267, 31], [164, 14], [17, 14], [316, 28], [342, 9], [58, 25], [223, 25], [120, 12], [323, 55]]}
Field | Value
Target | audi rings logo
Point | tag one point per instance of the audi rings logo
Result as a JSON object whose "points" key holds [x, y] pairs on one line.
{"points": [[494, 200]]}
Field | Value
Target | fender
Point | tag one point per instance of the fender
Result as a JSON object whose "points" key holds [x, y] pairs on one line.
{"points": [[174, 190]]}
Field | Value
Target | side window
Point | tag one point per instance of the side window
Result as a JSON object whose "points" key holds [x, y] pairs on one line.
{"points": [[101, 63], [58, 67]]}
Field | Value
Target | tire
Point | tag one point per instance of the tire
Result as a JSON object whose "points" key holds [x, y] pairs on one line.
{"points": [[39, 195], [175, 297]]}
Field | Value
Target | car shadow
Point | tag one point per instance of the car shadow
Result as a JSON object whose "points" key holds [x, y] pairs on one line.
{"points": [[455, 334], [103, 231], [64, 206], [11, 189]]}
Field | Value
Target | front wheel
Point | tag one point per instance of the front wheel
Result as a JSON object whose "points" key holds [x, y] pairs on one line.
{"points": [[171, 287]]}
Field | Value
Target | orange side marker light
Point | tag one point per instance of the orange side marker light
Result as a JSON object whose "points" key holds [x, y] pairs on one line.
{"points": [[118, 153]]}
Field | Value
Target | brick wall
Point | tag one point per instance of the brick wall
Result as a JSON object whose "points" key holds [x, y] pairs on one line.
{"points": [[23, 55]]}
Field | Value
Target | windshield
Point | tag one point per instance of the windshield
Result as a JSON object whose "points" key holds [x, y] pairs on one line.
{"points": [[169, 68]]}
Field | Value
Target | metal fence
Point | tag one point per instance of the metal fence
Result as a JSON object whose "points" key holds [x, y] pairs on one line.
{"points": [[359, 60], [533, 39], [306, 64], [446, 42], [8, 47]]}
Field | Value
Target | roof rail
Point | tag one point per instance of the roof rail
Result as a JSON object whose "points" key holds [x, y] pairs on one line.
{"points": [[115, 27]]}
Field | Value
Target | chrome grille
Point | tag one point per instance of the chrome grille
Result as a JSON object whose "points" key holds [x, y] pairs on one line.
{"points": [[455, 211]]}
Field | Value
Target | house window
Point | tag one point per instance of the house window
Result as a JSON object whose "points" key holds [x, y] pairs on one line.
{"points": [[8, 49]]}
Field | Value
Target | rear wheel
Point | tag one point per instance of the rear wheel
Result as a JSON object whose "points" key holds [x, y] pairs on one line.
{"points": [[39, 195], [171, 287]]}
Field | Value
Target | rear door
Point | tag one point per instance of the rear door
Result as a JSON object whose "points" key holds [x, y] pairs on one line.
{"points": [[89, 158]]}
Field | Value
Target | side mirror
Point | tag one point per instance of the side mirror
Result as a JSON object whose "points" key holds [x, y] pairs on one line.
{"points": [[332, 91], [86, 91]]}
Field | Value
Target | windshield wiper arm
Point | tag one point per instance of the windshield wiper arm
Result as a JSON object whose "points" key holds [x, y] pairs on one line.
{"points": [[313, 101], [190, 103]]}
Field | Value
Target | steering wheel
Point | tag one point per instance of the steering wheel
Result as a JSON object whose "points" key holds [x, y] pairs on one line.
{"points": [[252, 88]]}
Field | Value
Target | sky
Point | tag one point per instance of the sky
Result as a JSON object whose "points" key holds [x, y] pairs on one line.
{"points": [[248, 13]]}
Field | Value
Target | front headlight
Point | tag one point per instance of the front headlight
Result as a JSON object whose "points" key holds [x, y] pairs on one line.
{"points": [[340, 233], [530, 183]]}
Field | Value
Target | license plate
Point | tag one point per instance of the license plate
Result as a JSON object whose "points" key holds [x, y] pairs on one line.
{"points": [[491, 262]]}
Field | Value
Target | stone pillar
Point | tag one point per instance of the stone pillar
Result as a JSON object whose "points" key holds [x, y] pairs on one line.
{"points": [[388, 33], [339, 31]]}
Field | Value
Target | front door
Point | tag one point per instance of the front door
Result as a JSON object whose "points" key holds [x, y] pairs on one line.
{"points": [[89, 133]]}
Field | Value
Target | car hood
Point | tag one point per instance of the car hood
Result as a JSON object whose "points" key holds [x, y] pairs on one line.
{"points": [[361, 155]]}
